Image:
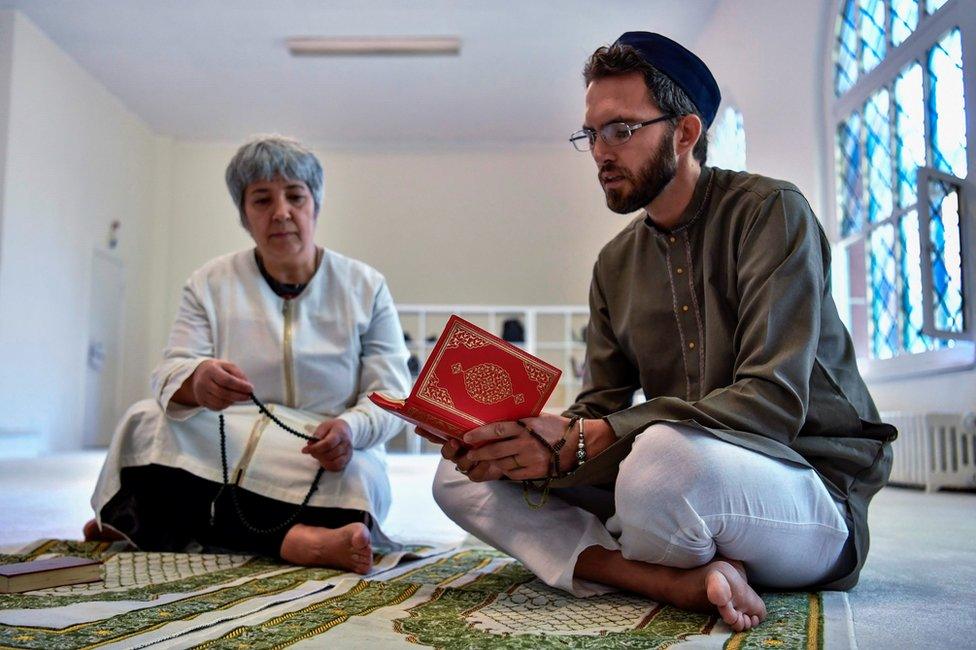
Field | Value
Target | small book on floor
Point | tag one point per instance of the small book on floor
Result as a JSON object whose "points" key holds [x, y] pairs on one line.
{"points": [[44, 574], [471, 378]]}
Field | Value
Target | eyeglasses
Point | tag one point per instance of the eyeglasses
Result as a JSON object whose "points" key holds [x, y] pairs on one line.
{"points": [[614, 134]]}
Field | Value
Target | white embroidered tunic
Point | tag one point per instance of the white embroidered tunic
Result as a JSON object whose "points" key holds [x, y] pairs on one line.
{"points": [[319, 354]]}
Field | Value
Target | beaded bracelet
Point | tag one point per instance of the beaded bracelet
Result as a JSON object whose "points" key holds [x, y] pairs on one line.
{"points": [[581, 445], [554, 462]]}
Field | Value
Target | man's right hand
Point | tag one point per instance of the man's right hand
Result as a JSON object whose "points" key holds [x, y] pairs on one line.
{"points": [[215, 384], [456, 453]]}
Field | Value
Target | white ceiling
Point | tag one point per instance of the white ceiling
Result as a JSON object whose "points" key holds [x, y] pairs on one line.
{"points": [[209, 70]]}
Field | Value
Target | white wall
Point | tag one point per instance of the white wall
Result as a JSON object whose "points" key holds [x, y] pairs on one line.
{"points": [[6, 60], [767, 58], [75, 159], [511, 226]]}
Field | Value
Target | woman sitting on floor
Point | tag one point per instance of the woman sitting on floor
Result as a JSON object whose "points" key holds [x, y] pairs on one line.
{"points": [[296, 326]]}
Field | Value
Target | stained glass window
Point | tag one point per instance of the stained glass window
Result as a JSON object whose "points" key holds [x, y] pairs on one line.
{"points": [[871, 27], [883, 324], [868, 29], [911, 276], [845, 67], [903, 241], [877, 151], [947, 111], [904, 20], [849, 174], [909, 132], [945, 257], [727, 148], [913, 320]]}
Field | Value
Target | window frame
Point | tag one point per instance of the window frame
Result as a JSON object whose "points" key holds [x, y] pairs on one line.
{"points": [[929, 31]]}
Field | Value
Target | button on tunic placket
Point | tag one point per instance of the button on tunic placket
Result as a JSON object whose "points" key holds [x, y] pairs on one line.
{"points": [[690, 334]]}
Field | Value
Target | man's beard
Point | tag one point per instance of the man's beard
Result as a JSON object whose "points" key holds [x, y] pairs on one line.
{"points": [[650, 180]]}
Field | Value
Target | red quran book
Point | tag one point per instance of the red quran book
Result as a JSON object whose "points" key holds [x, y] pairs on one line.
{"points": [[471, 378], [52, 572]]}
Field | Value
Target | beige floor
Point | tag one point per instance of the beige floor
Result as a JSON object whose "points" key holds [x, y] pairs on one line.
{"points": [[49, 497], [917, 590]]}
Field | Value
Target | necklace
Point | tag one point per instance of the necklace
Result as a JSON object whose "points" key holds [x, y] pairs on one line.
{"points": [[233, 486], [285, 289]]}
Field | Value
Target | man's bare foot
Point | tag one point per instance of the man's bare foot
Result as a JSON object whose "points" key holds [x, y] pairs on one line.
{"points": [[347, 548], [104, 534], [720, 584], [726, 588]]}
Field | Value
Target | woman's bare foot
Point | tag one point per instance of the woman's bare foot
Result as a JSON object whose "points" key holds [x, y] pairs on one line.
{"points": [[347, 548], [104, 534], [720, 584]]}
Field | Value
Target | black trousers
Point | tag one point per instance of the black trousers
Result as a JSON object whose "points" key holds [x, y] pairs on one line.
{"points": [[167, 509]]}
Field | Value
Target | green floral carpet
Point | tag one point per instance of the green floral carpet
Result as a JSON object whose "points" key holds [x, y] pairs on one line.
{"points": [[462, 598]]}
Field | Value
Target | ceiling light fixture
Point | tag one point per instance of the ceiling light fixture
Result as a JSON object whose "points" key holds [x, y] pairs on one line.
{"points": [[374, 45]]}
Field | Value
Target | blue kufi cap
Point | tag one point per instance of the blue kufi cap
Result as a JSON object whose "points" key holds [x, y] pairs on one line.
{"points": [[683, 68]]}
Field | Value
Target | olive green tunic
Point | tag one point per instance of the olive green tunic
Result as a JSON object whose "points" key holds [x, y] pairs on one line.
{"points": [[727, 323]]}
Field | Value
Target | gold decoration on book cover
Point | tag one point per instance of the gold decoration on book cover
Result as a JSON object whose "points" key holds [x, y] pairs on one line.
{"points": [[488, 383], [433, 391], [467, 339], [540, 376], [427, 417]]}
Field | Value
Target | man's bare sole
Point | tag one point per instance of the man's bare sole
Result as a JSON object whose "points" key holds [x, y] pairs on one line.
{"points": [[347, 548], [720, 585], [728, 590]]}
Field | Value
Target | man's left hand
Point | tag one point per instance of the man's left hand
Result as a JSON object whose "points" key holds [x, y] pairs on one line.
{"points": [[333, 449], [511, 447]]}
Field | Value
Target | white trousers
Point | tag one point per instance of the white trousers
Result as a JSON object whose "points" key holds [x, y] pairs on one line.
{"points": [[681, 497]]}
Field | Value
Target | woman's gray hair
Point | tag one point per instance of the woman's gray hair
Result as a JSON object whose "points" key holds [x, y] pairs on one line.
{"points": [[267, 156]]}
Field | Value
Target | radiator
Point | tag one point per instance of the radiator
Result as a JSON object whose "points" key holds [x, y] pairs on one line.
{"points": [[933, 450]]}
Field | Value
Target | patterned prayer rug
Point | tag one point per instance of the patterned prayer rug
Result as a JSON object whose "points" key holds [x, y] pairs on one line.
{"points": [[424, 597]]}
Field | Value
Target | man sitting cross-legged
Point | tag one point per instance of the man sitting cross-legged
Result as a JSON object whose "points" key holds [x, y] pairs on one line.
{"points": [[758, 448]]}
